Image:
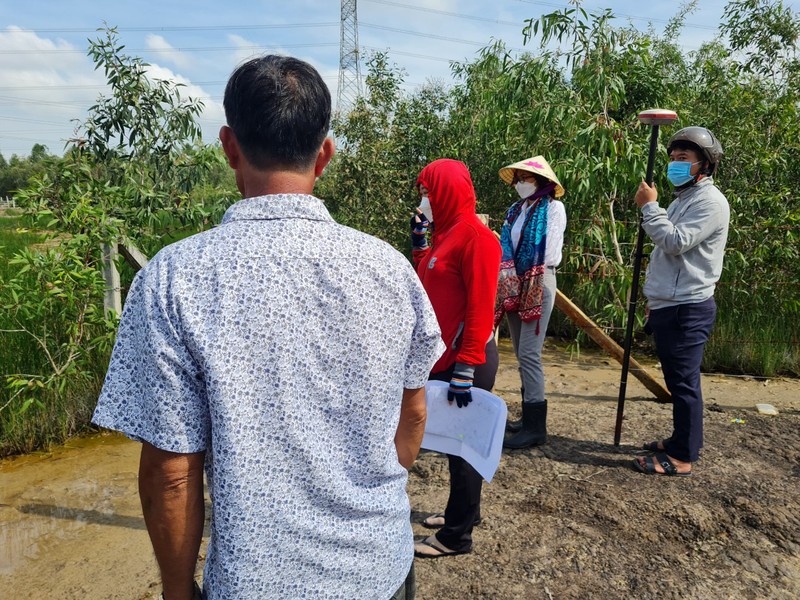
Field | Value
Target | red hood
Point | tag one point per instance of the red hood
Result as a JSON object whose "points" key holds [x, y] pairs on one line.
{"points": [[450, 191]]}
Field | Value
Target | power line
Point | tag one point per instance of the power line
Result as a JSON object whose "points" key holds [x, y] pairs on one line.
{"points": [[547, 4], [633, 17], [24, 120], [446, 13], [179, 28], [430, 35], [8, 100], [104, 86], [180, 49], [256, 48], [412, 54]]}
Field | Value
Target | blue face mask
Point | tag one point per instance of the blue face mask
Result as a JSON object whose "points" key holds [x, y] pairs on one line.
{"points": [[680, 172]]}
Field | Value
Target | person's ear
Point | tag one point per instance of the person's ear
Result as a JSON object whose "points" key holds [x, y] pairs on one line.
{"points": [[324, 156], [230, 146]]}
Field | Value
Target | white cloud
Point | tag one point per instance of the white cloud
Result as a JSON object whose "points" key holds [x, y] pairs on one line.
{"points": [[213, 115], [244, 49], [46, 84], [156, 43]]}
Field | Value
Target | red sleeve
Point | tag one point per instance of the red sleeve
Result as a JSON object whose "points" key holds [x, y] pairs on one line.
{"points": [[480, 265], [419, 256]]}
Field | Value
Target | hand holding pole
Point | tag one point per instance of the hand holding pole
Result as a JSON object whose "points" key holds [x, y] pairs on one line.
{"points": [[655, 118]]}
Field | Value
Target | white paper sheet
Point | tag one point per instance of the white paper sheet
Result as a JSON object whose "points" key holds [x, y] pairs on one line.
{"points": [[475, 432]]}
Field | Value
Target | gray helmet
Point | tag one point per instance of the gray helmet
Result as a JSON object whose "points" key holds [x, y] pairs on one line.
{"points": [[702, 138]]}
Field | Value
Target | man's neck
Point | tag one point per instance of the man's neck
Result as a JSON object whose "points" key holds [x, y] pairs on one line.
{"points": [[263, 183]]}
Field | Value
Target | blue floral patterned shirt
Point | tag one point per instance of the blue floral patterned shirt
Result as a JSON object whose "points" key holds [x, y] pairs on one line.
{"points": [[279, 343]]}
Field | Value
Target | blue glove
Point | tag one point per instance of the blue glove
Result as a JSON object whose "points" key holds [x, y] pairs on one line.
{"points": [[419, 227], [461, 384]]}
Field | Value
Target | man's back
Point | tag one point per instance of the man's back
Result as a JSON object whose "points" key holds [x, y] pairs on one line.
{"points": [[280, 344]]}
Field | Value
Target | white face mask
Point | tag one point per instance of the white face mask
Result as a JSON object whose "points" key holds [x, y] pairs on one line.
{"points": [[525, 189], [425, 207]]}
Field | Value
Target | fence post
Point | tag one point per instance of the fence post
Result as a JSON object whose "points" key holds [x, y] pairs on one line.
{"points": [[112, 300], [132, 255]]}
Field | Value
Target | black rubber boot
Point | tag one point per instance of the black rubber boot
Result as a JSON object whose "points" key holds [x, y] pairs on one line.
{"points": [[534, 427], [515, 426]]}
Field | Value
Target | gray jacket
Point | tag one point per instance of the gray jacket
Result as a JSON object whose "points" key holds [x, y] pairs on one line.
{"points": [[689, 239]]}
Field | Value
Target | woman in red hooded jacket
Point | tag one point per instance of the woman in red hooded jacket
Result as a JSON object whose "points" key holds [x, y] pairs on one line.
{"points": [[459, 271]]}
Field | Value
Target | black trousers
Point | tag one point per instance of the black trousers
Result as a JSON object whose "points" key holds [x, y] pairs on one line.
{"points": [[681, 333], [464, 503]]}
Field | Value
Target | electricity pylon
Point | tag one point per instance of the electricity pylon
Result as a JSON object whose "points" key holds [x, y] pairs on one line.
{"points": [[349, 55]]}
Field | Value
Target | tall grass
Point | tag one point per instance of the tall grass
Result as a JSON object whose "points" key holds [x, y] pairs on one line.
{"points": [[759, 339], [14, 237], [763, 344], [17, 351], [60, 415]]}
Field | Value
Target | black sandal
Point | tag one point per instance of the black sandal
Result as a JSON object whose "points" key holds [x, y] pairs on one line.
{"points": [[431, 547], [662, 459], [433, 521]]}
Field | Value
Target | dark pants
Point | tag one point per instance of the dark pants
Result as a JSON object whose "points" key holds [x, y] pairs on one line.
{"points": [[408, 589], [681, 333], [464, 504]]}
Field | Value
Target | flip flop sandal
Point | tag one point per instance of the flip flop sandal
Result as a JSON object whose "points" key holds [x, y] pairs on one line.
{"points": [[421, 549], [653, 446], [436, 521], [662, 459]]}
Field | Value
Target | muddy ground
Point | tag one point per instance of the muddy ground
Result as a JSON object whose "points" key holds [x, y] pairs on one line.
{"points": [[569, 520]]}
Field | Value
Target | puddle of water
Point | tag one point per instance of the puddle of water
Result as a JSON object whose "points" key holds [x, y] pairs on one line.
{"points": [[24, 538], [49, 500]]}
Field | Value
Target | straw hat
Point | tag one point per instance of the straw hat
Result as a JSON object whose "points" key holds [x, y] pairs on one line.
{"points": [[535, 164]]}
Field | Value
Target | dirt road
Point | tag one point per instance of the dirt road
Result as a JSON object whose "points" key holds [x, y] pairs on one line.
{"points": [[570, 520]]}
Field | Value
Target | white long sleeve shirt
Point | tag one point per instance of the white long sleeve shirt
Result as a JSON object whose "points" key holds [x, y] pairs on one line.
{"points": [[556, 225]]}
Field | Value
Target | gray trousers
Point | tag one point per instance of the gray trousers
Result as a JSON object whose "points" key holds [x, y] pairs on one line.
{"points": [[528, 344], [408, 590]]}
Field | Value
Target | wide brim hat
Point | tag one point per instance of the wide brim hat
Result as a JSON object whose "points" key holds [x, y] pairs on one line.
{"points": [[535, 164]]}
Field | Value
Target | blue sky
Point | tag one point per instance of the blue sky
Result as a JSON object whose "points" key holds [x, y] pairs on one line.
{"points": [[48, 80]]}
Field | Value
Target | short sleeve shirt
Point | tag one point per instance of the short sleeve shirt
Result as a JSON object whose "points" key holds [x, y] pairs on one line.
{"points": [[279, 343]]}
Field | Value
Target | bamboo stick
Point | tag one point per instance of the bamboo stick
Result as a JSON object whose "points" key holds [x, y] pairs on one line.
{"points": [[577, 316]]}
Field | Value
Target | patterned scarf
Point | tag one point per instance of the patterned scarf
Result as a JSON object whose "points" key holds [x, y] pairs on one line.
{"points": [[520, 286]]}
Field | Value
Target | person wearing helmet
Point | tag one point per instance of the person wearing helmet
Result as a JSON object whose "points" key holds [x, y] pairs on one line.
{"points": [[532, 238], [689, 240]]}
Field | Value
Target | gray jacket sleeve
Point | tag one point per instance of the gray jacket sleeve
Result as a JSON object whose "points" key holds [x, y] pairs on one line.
{"points": [[702, 217]]}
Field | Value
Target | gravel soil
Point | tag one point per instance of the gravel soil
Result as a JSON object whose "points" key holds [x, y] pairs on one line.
{"points": [[572, 520]]}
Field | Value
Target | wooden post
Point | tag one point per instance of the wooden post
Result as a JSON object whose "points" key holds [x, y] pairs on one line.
{"points": [[577, 316], [112, 300], [132, 255]]}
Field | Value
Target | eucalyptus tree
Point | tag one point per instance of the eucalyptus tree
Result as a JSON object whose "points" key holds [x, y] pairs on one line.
{"points": [[127, 174], [383, 143]]}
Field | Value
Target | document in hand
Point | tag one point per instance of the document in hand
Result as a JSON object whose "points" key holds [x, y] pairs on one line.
{"points": [[474, 432]]}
